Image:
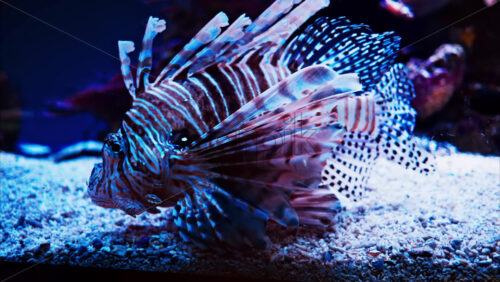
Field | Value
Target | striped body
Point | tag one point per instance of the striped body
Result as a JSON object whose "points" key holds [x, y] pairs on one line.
{"points": [[198, 103], [358, 114], [252, 123]]}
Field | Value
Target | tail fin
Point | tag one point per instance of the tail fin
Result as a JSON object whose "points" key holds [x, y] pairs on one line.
{"points": [[347, 171], [397, 121], [393, 94]]}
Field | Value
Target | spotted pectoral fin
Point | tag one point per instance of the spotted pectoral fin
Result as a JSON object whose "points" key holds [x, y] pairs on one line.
{"points": [[264, 155], [266, 162]]}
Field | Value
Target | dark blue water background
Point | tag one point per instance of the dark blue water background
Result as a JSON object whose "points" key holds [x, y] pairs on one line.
{"points": [[44, 64]]}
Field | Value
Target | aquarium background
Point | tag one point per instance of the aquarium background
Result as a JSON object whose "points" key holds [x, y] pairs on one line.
{"points": [[412, 227], [44, 65]]}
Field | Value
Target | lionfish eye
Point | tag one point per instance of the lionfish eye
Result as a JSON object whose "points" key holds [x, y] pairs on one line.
{"points": [[115, 147], [113, 142]]}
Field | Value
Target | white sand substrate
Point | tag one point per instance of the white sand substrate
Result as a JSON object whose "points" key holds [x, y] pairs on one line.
{"points": [[443, 226]]}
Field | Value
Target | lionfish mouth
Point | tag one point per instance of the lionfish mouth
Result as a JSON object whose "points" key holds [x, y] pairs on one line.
{"points": [[95, 175], [95, 186]]}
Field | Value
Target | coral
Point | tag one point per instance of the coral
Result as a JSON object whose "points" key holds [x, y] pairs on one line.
{"points": [[437, 78]]}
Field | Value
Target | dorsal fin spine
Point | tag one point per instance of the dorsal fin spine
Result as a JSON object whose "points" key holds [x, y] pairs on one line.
{"points": [[125, 47], [270, 29], [230, 36], [293, 20], [268, 17], [153, 27], [206, 35]]}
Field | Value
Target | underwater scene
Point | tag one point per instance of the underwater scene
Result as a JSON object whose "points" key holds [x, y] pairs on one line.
{"points": [[295, 140]]}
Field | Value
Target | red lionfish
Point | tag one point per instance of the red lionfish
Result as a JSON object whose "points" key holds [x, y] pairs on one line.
{"points": [[258, 122]]}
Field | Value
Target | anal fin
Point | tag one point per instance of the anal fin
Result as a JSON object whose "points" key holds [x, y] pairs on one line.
{"points": [[317, 207]]}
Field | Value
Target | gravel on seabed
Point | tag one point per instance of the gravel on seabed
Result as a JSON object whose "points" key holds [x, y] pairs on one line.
{"points": [[445, 226]]}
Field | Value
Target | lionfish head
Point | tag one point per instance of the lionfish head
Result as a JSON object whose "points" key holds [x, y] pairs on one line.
{"points": [[103, 177], [110, 180]]}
